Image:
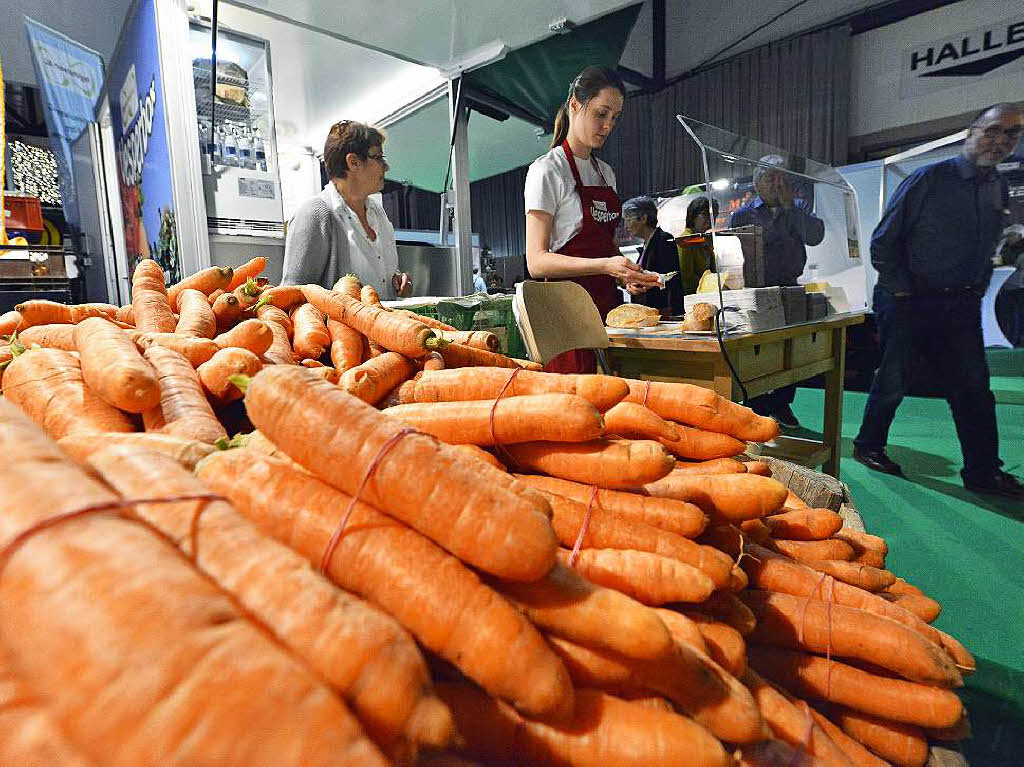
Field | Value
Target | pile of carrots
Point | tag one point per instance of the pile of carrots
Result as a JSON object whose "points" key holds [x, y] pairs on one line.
{"points": [[287, 525]]}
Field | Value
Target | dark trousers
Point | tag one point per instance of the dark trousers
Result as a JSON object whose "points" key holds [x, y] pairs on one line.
{"points": [[946, 328], [773, 401]]}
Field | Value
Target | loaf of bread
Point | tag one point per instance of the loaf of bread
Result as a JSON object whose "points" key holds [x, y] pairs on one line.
{"points": [[632, 316]]}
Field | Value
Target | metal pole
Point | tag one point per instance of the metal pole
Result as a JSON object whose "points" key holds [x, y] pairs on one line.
{"points": [[459, 122]]}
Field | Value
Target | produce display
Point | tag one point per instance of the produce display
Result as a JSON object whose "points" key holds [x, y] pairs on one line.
{"points": [[245, 524]]}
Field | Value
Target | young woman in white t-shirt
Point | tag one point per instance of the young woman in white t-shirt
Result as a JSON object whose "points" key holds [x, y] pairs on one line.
{"points": [[572, 208]]}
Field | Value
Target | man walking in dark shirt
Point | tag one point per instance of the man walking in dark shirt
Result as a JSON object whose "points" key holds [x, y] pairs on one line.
{"points": [[933, 252]]}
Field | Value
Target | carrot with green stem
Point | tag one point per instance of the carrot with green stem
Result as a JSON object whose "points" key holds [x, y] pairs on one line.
{"points": [[113, 368], [895, 699], [183, 410], [649, 578], [731, 497], [702, 408], [392, 331], [187, 452], [468, 510], [206, 281], [254, 335], [47, 384], [131, 645], [633, 421], [677, 517], [195, 350], [453, 614], [227, 311], [362, 652], [615, 465], [151, 308], [372, 380], [551, 417], [248, 294], [485, 383], [603, 730], [564, 604], [346, 345], [701, 445], [247, 271], [311, 336], [196, 317], [215, 375]]}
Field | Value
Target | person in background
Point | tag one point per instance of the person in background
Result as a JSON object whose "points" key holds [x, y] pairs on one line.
{"points": [[933, 252], [659, 254], [696, 258], [789, 227], [572, 209], [344, 229], [478, 282]]}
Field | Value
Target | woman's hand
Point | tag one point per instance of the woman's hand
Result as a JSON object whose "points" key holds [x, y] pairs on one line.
{"points": [[635, 290], [402, 283], [623, 269]]}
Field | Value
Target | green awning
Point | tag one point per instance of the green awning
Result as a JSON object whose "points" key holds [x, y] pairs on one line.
{"points": [[536, 78]]}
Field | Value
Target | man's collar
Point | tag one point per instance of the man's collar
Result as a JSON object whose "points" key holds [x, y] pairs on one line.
{"points": [[969, 170]]}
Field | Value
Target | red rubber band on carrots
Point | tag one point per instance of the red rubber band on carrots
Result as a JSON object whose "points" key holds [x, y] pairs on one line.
{"points": [[647, 393], [494, 406], [325, 560], [829, 598], [122, 505], [583, 528], [808, 733]]}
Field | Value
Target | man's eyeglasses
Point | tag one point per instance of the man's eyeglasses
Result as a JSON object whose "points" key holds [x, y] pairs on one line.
{"points": [[994, 131], [381, 158]]}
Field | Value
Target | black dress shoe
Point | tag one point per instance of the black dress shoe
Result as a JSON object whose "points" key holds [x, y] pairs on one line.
{"points": [[786, 417], [877, 460], [999, 483]]}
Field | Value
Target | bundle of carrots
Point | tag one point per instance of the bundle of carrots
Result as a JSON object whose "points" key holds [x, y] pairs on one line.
{"points": [[458, 557]]}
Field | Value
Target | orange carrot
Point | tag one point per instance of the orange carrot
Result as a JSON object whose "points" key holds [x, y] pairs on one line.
{"points": [[564, 604], [57, 336], [349, 285], [125, 314], [325, 372], [311, 336], [467, 509], [691, 680], [195, 350], [703, 409], [256, 440], [895, 699], [790, 724], [861, 576], [486, 383], [10, 322], [430, 322], [472, 451], [683, 629], [359, 650], [603, 730], [633, 421], [648, 578], [432, 361], [113, 368], [143, 649], [250, 269], [804, 524], [205, 281], [372, 380], [477, 339], [899, 744], [527, 364], [758, 467], [713, 466], [368, 295], [151, 307], [248, 294], [605, 531], [551, 417], [866, 556], [601, 462], [862, 542], [854, 751], [923, 607], [254, 335], [725, 644], [187, 452], [183, 410], [280, 351], [808, 551], [460, 356], [959, 731], [394, 332], [701, 445], [784, 620], [215, 295], [196, 318], [346, 345], [283, 296], [227, 310], [677, 517], [730, 609], [734, 497], [215, 375], [452, 614], [39, 311]]}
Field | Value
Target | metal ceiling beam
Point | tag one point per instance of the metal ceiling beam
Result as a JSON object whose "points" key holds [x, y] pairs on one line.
{"points": [[642, 81], [658, 36]]}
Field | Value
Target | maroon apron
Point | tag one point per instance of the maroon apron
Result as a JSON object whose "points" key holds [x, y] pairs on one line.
{"points": [[602, 210]]}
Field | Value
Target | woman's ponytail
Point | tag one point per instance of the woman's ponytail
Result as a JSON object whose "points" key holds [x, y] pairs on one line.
{"points": [[561, 126]]}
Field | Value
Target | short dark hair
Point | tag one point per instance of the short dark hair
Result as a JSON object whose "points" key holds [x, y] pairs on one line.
{"points": [[697, 206], [642, 206], [1002, 106], [345, 137]]}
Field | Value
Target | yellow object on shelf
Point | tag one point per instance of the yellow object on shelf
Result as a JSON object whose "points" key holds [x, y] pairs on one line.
{"points": [[816, 287]]}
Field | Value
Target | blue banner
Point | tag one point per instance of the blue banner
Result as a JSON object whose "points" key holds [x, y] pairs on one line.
{"points": [[70, 77]]}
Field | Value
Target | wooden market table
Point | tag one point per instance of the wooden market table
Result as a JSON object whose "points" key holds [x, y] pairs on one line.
{"points": [[764, 361]]}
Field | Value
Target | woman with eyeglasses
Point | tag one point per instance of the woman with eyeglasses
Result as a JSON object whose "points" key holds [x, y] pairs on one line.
{"points": [[572, 208], [344, 229]]}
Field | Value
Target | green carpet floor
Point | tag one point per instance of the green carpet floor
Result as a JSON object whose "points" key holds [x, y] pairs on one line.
{"points": [[964, 549]]}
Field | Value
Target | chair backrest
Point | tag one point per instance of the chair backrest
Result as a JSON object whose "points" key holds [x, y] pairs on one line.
{"points": [[554, 317]]}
